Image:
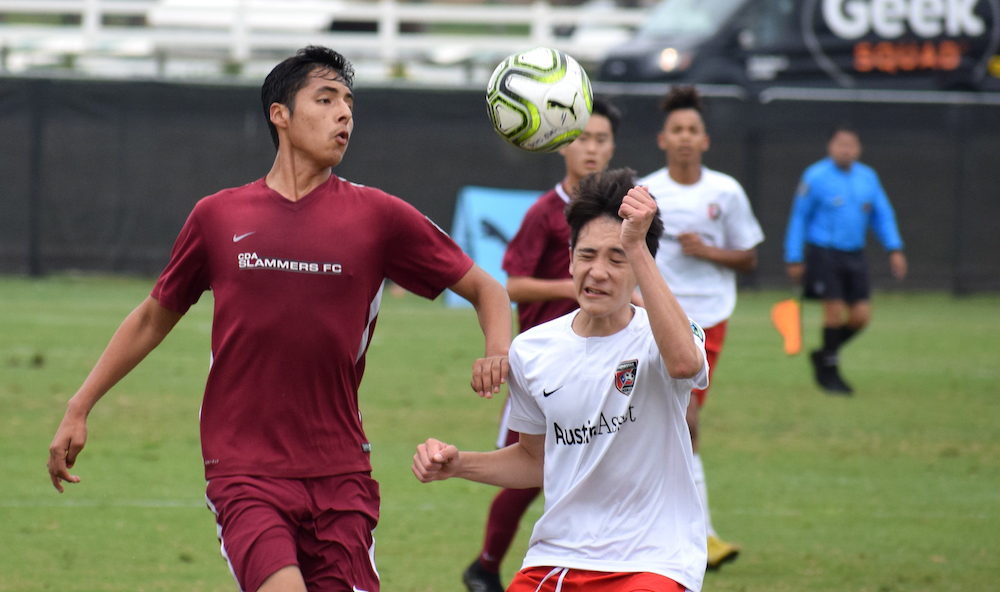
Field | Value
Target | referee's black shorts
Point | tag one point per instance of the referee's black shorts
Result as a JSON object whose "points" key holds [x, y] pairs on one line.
{"points": [[835, 275]]}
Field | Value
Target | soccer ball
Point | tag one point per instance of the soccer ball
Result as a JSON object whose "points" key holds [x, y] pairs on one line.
{"points": [[540, 99]]}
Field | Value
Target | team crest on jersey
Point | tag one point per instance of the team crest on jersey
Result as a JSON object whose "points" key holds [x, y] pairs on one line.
{"points": [[698, 331], [625, 376], [714, 211]]}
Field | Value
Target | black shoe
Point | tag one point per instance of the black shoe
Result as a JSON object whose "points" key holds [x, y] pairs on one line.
{"points": [[827, 373], [839, 386], [821, 372], [477, 579]]}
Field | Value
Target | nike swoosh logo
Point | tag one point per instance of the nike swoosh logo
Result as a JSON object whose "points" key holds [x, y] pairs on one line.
{"points": [[356, 589], [238, 237], [546, 393]]}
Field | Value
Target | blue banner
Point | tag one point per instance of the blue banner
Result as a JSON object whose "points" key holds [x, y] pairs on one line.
{"points": [[485, 220]]}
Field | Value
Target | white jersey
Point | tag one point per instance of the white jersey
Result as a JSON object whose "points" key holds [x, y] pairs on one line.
{"points": [[716, 208], [619, 490]]}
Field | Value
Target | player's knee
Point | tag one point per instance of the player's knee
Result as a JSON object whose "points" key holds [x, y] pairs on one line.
{"points": [[859, 316]]}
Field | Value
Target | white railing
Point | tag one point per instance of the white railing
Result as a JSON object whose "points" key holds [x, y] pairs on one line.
{"points": [[237, 32]]}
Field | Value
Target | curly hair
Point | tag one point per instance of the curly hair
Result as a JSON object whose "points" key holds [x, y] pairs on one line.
{"points": [[681, 97]]}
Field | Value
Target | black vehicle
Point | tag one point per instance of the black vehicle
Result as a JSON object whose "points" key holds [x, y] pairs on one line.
{"points": [[895, 44]]}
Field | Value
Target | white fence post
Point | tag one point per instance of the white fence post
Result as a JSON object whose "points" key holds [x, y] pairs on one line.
{"points": [[90, 22], [388, 32], [541, 23], [239, 51]]}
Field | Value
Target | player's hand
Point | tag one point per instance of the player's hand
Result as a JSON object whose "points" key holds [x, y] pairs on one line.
{"points": [[795, 271], [691, 244], [67, 444], [637, 211], [897, 264], [435, 461], [488, 374]]}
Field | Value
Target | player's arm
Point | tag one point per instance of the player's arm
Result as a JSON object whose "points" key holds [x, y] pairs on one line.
{"points": [[668, 321], [493, 309], [521, 260], [884, 225], [742, 260], [742, 234], [898, 265], [803, 209], [141, 331], [529, 289], [519, 466]]}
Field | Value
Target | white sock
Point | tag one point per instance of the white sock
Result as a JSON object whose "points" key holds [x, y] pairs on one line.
{"points": [[699, 481]]}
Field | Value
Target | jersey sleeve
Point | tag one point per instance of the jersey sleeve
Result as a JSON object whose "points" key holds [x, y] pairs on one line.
{"points": [[526, 249], [795, 233], [743, 231], [883, 218], [186, 276], [683, 385], [526, 416], [700, 380], [420, 256]]}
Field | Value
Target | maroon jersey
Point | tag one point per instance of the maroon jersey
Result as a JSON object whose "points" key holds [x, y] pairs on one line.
{"points": [[540, 249], [297, 288]]}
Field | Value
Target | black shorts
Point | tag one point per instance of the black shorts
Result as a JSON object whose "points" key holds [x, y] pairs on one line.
{"points": [[835, 275]]}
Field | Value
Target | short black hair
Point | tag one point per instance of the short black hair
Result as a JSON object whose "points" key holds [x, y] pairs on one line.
{"points": [[843, 127], [291, 75], [601, 194], [607, 109], [682, 97]]}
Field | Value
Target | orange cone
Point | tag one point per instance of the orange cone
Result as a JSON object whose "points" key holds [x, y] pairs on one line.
{"points": [[787, 318]]}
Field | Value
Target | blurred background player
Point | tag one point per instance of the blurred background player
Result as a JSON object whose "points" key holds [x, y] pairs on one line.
{"points": [[710, 233], [538, 280], [834, 205], [599, 397]]}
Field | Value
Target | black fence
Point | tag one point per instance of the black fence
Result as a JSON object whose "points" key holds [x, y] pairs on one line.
{"points": [[100, 175]]}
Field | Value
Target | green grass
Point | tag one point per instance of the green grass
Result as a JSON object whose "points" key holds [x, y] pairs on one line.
{"points": [[897, 488]]}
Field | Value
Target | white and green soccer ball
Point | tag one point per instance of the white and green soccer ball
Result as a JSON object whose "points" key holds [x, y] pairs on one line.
{"points": [[540, 99]]}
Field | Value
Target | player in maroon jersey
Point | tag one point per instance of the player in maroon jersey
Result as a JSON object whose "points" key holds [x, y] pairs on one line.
{"points": [[296, 262], [538, 279]]}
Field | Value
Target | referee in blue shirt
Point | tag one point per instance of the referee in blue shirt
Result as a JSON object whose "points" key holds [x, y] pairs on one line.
{"points": [[836, 202]]}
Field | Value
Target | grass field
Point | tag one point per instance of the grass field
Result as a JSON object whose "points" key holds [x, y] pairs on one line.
{"points": [[895, 489]]}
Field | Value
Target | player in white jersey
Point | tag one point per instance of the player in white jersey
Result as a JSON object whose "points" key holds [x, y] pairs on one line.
{"points": [[709, 234], [599, 397]]}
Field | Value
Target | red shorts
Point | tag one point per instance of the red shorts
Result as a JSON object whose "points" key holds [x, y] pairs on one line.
{"points": [[560, 579], [714, 337], [323, 525]]}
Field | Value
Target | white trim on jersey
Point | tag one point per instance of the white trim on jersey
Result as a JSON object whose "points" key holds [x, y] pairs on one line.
{"points": [[373, 309], [371, 557], [504, 428], [222, 542], [562, 192]]}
